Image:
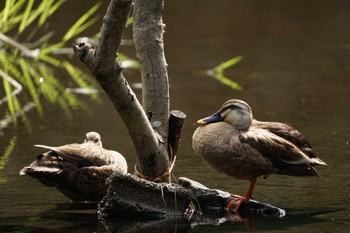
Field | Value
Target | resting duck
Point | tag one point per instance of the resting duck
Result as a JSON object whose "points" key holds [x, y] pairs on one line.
{"points": [[232, 143], [79, 171]]}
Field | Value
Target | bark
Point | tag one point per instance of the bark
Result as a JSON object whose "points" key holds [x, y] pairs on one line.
{"points": [[148, 39], [151, 149], [148, 29], [129, 196], [176, 123]]}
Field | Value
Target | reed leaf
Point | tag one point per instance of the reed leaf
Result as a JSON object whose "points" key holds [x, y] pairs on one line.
{"points": [[49, 59], [10, 99], [5, 13], [218, 73], [25, 67], [27, 12], [227, 64], [48, 11], [76, 74], [5, 157], [82, 23]]}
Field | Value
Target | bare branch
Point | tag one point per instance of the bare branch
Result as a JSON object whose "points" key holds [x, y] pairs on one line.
{"points": [[150, 148], [148, 29]]}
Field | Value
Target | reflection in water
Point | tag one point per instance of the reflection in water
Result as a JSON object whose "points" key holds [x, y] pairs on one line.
{"points": [[218, 73], [5, 157], [70, 217], [12, 119]]}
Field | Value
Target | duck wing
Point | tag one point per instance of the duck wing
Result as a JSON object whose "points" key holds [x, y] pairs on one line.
{"points": [[285, 156], [291, 135], [83, 155]]}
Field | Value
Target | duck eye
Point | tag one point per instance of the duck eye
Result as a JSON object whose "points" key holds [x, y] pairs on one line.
{"points": [[236, 107]]}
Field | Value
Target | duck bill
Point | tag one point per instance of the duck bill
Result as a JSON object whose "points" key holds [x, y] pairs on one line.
{"points": [[216, 117]]}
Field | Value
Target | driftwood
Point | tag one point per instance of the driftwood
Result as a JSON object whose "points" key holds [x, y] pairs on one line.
{"points": [[130, 196]]}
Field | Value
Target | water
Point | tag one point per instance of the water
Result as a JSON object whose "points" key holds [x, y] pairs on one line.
{"points": [[295, 69]]}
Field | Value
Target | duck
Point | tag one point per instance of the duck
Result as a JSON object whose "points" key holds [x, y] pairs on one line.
{"points": [[79, 171], [235, 144]]}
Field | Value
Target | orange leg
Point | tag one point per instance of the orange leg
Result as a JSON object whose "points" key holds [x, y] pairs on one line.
{"points": [[249, 193], [238, 200]]}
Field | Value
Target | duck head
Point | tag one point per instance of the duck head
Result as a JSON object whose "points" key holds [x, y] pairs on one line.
{"points": [[93, 137], [235, 112]]}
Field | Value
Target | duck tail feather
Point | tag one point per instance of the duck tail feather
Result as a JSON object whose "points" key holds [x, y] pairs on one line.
{"points": [[318, 161], [299, 171]]}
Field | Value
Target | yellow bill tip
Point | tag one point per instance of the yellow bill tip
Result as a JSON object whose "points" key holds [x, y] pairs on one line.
{"points": [[201, 122]]}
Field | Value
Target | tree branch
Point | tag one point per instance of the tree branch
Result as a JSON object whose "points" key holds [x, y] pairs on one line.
{"points": [[148, 29], [151, 150]]}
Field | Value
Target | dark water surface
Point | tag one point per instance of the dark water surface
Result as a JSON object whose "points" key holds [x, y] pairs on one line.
{"points": [[295, 69]]}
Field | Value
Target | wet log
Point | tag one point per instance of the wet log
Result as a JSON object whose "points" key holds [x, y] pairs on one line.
{"points": [[214, 202], [130, 196]]}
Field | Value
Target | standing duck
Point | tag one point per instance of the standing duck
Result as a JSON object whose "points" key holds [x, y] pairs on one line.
{"points": [[235, 144], [79, 171]]}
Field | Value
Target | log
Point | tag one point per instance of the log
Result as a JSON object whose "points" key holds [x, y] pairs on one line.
{"points": [[130, 196], [214, 202]]}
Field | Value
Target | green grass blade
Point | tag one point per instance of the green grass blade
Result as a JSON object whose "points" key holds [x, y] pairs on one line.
{"points": [[50, 60], [27, 12], [30, 85], [5, 157], [77, 27], [16, 7], [75, 74], [10, 99], [228, 64], [50, 49], [218, 73], [228, 82], [6, 11], [48, 11]]}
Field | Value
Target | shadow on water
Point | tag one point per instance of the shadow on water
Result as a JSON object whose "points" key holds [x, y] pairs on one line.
{"points": [[68, 217]]}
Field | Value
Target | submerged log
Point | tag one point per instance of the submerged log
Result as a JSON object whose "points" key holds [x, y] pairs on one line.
{"points": [[130, 196]]}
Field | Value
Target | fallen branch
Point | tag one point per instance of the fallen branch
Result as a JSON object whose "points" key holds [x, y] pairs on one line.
{"points": [[130, 196]]}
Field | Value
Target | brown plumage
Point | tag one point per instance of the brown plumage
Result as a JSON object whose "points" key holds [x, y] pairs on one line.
{"points": [[232, 143], [79, 171]]}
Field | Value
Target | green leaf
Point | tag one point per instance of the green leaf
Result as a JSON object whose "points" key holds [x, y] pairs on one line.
{"points": [[29, 83], [228, 63], [82, 23], [27, 12], [5, 157], [218, 73], [48, 11]]}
